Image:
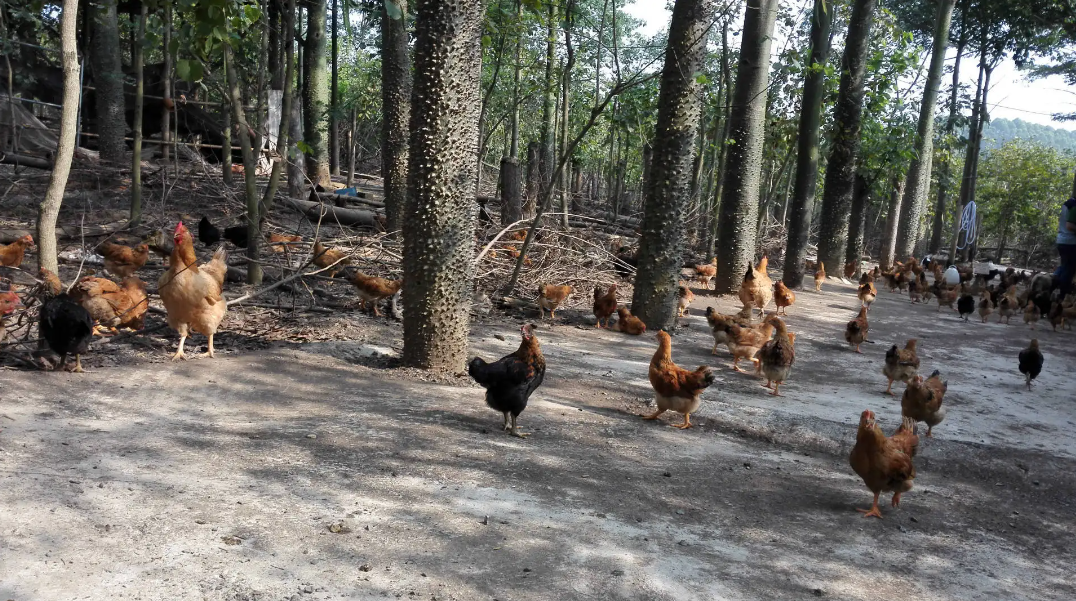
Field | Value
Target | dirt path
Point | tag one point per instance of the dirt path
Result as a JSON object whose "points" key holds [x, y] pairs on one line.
{"points": [[220, 479]]}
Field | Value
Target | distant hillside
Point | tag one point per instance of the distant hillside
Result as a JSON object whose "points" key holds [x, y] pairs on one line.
{"points": [[1000, 131]]}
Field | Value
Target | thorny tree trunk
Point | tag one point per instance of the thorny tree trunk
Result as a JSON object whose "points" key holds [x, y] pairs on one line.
{"points": [[140, 84], [915, 192], [334, 124], [743, 171], [889, 242], [254, 270], [841, 167], [511, 191], [166, 77], [945, 174], [49, 209], [108, 80], [806, 180], [857, 222], [395, 110], [285, 112], [316, 94], [545, 156], [439, 230], [661, 247]]}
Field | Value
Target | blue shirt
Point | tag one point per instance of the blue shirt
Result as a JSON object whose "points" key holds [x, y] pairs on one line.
{"points": [[1068, 215]]}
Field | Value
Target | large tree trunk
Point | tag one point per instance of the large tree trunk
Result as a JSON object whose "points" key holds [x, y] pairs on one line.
{"points": [[534, 180], [806, 180], [395, 110], [511, 191], [661, 248], [316, 94], [49, 209], [334, 125], [108, 81], [857, 222], [136, 155], [945, 174], [439, 228], [889, 241], [743, 170], [841, 167], [915, 192]]}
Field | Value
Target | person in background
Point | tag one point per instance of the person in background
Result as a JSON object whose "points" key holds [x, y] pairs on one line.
{"points": [[1066, 247]]}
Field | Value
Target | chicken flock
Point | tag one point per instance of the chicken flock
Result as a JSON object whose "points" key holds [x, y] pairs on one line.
{"points": [[192, 295]]}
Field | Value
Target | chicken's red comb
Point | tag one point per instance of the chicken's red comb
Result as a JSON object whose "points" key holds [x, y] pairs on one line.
{"points": [[179, 227]]}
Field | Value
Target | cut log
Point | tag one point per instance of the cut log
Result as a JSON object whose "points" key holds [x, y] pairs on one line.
{"points": [[327, 213], [21, 160], [67, 232]]}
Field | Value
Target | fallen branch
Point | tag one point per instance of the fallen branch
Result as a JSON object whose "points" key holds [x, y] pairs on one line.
{"points": [[317, 211]]}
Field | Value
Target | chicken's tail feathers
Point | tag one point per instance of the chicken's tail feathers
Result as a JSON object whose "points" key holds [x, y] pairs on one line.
{"points": [[707, 374], [935, 373]]}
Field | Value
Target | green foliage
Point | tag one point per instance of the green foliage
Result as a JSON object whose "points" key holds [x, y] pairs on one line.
{"points": [[1022, 185], [1000, 131]]}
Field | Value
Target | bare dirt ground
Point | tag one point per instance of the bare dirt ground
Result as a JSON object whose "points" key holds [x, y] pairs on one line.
{"points": [[317, 471]]}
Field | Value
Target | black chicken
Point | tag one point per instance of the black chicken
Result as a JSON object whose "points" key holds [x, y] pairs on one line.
{"points": [[210, 234], [510, 381], [965, 305], [1031, 362], [63, 323]]}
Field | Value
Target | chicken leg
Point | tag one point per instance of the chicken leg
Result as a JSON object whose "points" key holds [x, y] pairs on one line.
{"points": [[653, 415], [896, 499], [776, 387], [889, 389], [515, 429], [874, 511], [687, 422], [209, 353], [507, 427], [179, 353]]}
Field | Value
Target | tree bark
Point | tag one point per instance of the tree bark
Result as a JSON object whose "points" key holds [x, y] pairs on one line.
{"points": [[108, 81], [511, 191], [439, 229], [316, 94], [743, 170], [566, 92], [889, 242], [534, 180], [857, 222], [226, 144], [806, 180], [166, 84], [545, 156], [395, 110], [915, 192], [286, 102], [661, 247], [136, 154], [848, 114], [945, 174], [334, 125], [49, 209], [722, 159], [254, 270]]}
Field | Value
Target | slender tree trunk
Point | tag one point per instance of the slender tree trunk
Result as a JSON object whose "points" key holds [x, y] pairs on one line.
{"points": [[254, 269], [395, 110], [545, 156], [889, 242], [739, 209], [439, 230], [806, 181], [858, 221], [286, 102], [566, 92], [334, 97], [108, 81], [972, 147], [514, 152], [352, 146], [661, 247], [841, 167], [276, 45], [136, 155], [49, 209], [911, 207], [316, 94], [534, 180], [226, 143], [945, 174], [166, 80], [726, 113]]}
